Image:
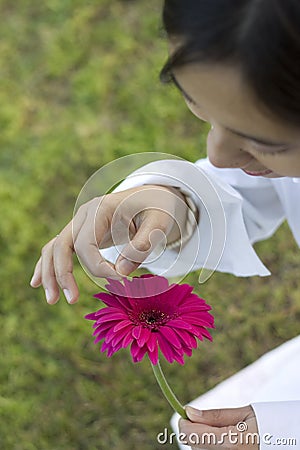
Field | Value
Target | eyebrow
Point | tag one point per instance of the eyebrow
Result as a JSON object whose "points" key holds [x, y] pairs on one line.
{"points": [[238, 133]]}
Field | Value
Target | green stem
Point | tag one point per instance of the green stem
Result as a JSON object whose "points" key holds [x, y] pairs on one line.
{"points": [[167, 391]]}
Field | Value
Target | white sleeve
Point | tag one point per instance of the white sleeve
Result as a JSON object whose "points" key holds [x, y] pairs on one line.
{"points": [[278, 424], [230, 219]]}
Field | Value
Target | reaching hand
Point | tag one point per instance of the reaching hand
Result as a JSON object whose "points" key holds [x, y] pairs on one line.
{"points": [[139, 217]]}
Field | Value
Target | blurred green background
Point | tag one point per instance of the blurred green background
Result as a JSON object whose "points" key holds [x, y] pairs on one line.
{"points": [[79, 88]]}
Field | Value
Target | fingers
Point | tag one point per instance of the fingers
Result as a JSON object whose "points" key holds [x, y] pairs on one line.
{"points": [[58, 268], [36, 279], [150, 233], [102, 219], [87, 240], [54, 271], [63, 265], [44, 274], [219, 417], [54, 268], [48, 274]]}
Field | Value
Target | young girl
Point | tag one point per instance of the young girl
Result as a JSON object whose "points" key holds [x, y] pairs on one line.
{"points": [[237, 65]]}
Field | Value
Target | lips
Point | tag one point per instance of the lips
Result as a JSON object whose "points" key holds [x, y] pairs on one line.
{"points": [[258, 174]]}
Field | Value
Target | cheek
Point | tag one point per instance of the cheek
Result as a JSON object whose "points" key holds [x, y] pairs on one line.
{"points": [[285, 165]]}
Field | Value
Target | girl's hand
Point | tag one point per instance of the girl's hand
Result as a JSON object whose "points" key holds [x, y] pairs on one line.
{"points": [[140, 217], [220, 429]]}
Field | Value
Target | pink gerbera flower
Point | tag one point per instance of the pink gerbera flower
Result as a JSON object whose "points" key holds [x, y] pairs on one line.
{"points": [[149, 314]]}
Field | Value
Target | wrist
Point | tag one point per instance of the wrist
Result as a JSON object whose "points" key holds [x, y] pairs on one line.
{"points": [[187, 216]]}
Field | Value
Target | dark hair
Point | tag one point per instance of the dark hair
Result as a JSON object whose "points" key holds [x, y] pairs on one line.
{"points": [[261, 37]]}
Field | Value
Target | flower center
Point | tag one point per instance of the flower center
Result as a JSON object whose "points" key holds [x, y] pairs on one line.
{"points": [[153, 318]]}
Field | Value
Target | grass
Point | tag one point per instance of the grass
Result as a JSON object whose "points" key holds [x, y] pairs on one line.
{"points": [[80, 88]]}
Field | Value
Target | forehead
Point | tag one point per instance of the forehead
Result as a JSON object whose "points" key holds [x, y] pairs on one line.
{"points": [[224, 96]]}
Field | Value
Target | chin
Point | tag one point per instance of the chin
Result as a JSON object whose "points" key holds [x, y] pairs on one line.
{"points": [[274, 175]]}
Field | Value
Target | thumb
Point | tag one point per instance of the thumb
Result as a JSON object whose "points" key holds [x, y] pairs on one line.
{"points": [[148, 236], [217, 417]]}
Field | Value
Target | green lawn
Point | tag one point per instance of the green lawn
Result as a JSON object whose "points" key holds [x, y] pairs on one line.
{"points": [[79, 89]]}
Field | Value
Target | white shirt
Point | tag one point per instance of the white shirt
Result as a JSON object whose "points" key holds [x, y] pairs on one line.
{"points": [[236, 210]]}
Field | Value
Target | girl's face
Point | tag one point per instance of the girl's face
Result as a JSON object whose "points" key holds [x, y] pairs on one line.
{"points": [[242, 135]]}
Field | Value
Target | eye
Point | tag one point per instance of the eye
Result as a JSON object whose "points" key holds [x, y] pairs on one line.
{"points": [[271, 152], [265, 150]]}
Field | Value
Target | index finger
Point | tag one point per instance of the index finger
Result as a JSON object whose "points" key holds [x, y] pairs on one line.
{"points": [[63, 250], [87, 237]]}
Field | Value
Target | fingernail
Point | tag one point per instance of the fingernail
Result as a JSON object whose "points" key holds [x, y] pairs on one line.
{"points": [[48, 296], [125, 267], [68, 295], [190, 411], [32, 280]]}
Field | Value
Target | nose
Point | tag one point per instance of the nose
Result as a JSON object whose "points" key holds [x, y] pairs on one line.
{"points": [[224, 150]]}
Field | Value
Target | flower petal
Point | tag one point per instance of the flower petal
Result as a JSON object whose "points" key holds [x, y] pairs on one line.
{"points": [[205, 333], [141, 353], [180, 292], [153, 355], [188, 351], [101, 327], [152, 342], [118, 339], [128, 339], [146, 287], [170, 336], [193, 308], [134, 349], [112, 317], [114, 286], [179, 359], [167, 350], [110, 310], [136, 331], [187, 339], [194, 319], [122, 324], [108, 299], [91, 316], [125, 302], [144, 336], [106, 347], [99, 338], [179, 323]]}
